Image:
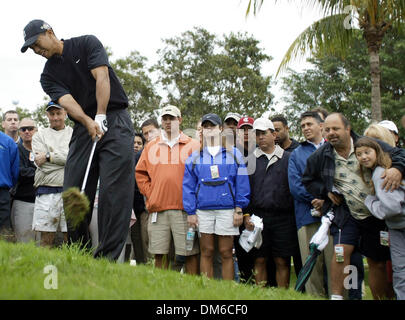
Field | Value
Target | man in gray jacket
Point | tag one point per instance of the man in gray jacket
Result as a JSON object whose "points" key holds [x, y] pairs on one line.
{"points": [[50, 146]]}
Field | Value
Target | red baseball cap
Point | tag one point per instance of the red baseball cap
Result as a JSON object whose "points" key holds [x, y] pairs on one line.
{"points": [[245, 121]]}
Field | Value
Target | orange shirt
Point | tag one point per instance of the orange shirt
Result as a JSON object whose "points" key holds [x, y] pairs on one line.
{"points": [[160, 170]]}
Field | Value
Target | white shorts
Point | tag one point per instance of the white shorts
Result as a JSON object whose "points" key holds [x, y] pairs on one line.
{"points": [[48, 213], [218, 222]]}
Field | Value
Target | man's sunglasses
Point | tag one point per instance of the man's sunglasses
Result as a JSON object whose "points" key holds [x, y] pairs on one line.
{"points": [[23, 129]]}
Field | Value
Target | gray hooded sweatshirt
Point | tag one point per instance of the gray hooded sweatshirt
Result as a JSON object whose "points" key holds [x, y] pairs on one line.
{"points": [[388, 206]]}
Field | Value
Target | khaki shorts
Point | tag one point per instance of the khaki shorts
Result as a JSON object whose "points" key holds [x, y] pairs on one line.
{"points": [[168, 223], [48, 213]]}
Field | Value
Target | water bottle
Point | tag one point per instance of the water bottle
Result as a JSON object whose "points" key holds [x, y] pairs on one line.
{"points": [[190, 239]]}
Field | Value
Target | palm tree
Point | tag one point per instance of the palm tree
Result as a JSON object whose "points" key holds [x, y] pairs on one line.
{"points": [[335, 31]]}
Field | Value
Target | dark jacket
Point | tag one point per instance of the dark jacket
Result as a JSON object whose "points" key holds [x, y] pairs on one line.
{"points": [[25, 190], [319, 174], [139, 203], [294, 144], [270, 192]]}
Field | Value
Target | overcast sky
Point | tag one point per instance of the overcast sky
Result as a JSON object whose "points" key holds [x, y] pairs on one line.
{"points": [[127, 25]]}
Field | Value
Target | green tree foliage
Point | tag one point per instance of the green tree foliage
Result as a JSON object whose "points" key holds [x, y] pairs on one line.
{"points": [[335, 33], [39, 115], [134, 77], [342, 85], [201, 74]]}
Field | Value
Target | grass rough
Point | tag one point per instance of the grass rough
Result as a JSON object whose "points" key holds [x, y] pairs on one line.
{"points": [[76, 205], [81, 277]]}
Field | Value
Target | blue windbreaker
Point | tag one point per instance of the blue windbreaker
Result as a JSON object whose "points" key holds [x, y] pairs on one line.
{"points": [[9, 161], [231, 189], [302, 198]]}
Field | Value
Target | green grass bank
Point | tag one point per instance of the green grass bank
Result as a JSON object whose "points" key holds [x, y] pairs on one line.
{"points": [[24, 275]]}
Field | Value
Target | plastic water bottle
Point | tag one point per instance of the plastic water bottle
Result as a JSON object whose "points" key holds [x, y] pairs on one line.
{"points": [[190, 239]]}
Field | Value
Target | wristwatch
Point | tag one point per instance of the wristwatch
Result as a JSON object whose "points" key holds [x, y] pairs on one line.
{"points": [[48, 157]]}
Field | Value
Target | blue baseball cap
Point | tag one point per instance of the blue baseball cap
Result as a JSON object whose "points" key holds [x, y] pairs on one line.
{"points": [[52, 104], [213, 118], [31, 32]]}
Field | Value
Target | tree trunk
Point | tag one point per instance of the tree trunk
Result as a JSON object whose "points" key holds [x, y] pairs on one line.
{"points": [[374, 34], [375, 71]]}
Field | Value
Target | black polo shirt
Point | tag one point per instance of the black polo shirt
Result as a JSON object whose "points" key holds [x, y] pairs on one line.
{"points": [[70, 73]]}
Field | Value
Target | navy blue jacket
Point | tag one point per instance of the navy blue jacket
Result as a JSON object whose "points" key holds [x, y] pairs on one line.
{"points": [[269, 187], [201, 191], [9, 162], [302, 198], [139, 203]]}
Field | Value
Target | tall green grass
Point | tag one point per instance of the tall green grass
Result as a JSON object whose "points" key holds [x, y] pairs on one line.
{"points": [[80, 276]]}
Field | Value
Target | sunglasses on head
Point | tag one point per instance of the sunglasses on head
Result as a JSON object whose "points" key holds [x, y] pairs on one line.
{"points": [[23, 129]]}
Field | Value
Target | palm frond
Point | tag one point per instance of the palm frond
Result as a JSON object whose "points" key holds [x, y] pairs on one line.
{"points": [[327, 35], [395, 13], [257, 4]]}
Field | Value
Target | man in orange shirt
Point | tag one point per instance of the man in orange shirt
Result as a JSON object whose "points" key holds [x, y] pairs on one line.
{"points": [[159, 175]]}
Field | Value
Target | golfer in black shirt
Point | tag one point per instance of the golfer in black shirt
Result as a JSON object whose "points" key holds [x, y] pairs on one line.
{"points": [[78, 77]]}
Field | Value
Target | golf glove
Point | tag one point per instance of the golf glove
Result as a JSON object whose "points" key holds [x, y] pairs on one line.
{"points": [[101, 120]]}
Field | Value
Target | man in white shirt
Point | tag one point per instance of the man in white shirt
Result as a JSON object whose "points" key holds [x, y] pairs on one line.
{"points": [[51, 147]]}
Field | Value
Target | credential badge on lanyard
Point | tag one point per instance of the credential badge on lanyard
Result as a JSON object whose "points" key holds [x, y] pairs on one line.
{"points": [[214, 172]]}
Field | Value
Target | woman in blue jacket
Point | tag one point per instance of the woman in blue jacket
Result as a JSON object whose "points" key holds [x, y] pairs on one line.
{"points": [[215, 189]]}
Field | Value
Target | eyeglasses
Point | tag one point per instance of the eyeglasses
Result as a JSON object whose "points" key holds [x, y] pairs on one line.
{"points": [[23, 129]]}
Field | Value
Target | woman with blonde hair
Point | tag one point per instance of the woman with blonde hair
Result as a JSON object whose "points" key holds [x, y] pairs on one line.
{"points": [[379, 132]]}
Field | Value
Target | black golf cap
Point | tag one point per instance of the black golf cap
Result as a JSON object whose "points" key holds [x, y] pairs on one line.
{"points": [[213, 118], [31, 32]]}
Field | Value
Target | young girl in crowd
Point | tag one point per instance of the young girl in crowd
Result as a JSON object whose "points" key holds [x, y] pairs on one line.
{"points": [[215, 189], [388, 206]]}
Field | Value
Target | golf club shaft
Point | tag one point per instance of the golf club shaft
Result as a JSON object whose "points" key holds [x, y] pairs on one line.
{"points": [[89, 164]]}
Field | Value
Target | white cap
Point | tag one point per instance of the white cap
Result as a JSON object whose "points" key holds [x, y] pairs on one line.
{"points": [[171, 110], [263, 124], [389, 125], [232, 115]]}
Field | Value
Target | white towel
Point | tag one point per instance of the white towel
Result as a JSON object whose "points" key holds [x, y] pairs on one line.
{"points": [[249, 239]]}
